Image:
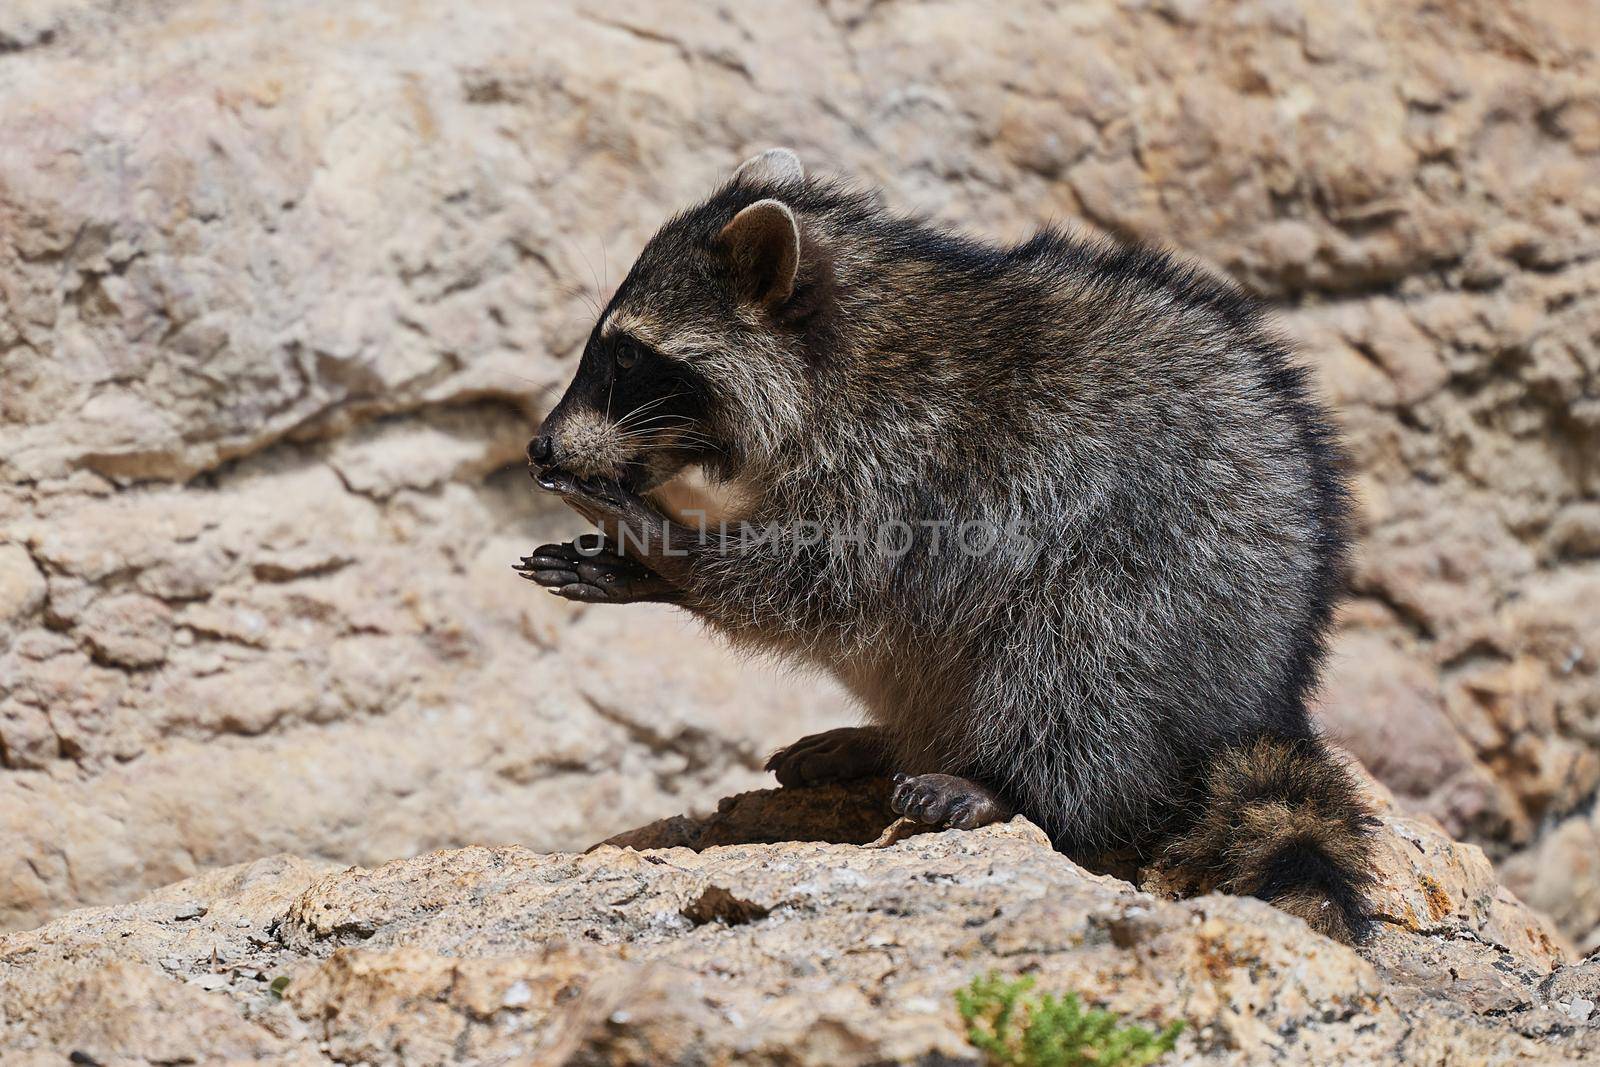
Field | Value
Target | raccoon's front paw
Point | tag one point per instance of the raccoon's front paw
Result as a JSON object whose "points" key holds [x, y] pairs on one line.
{"points": [[584, 570], [603, 501], [832, 756], [945, 800], [606, 492]]}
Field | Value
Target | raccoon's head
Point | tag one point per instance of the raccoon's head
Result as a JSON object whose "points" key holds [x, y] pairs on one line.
{"points": [[700, 356]]}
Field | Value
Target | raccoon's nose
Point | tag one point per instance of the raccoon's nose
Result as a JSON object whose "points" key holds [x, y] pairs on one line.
{"points": [[541, 450]]}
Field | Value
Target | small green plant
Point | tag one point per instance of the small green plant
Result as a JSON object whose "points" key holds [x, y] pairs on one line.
{"points": [[279, 984], [1013, 1027]]}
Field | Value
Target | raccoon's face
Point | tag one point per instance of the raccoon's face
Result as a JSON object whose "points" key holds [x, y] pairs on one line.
{"points": [[632, 412], [695, 360]]}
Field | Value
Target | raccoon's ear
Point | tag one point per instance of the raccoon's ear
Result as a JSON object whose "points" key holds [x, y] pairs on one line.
{"points": [[763, 243], [775, 166]]}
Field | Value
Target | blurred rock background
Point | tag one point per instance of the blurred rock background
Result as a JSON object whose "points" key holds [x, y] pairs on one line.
{"points": [[285, 285]]}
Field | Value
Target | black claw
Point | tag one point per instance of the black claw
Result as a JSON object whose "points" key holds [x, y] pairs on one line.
{"points": [[941, 800], [600, 576]]}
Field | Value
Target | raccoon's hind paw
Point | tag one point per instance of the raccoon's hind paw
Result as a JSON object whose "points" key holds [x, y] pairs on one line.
{"points": [[945, 800], [585, 571], [832, 756]]}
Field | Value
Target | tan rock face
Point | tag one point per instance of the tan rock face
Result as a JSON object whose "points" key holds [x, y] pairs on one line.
{"points": [[284, 288], [794, 952]]}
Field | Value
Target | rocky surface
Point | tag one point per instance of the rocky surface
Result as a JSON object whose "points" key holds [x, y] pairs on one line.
{"points": [[795, 952], [283, 286]]}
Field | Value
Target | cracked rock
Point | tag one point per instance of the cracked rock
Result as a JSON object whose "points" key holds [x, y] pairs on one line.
{"points": [[786, 951]]}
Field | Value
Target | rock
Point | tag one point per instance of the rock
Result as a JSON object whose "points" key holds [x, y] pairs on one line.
{"points": [[1574, 990], [22, 587], [1558, 875], [788, 951], [130, 630], [285, 292]]}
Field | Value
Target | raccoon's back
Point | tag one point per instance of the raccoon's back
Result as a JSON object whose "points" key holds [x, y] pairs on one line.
{"points": [[1167, 406], [1185, 491]]}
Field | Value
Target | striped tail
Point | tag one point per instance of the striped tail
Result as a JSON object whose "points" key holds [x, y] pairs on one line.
{"points": [[1283, 820]]}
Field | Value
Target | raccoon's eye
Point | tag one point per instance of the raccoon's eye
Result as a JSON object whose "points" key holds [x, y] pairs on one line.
{"points": [[627, 355]]}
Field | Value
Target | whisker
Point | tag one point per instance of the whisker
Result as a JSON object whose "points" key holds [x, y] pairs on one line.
{"points": [[681, 437], [628, 419], [582, 291], [656, 420], [590, 264], [642, 408], [658, 433], [678, 435]]}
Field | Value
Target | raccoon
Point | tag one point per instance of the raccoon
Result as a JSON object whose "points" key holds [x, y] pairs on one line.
{"points": [[1062, 515]]}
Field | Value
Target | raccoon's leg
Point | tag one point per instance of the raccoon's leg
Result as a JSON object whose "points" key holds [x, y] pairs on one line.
{"points": [[945, 800], [832, 756], [586, 571]]}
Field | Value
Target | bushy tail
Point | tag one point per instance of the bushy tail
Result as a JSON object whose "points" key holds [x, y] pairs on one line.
{"points": [[1283, 820]]}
